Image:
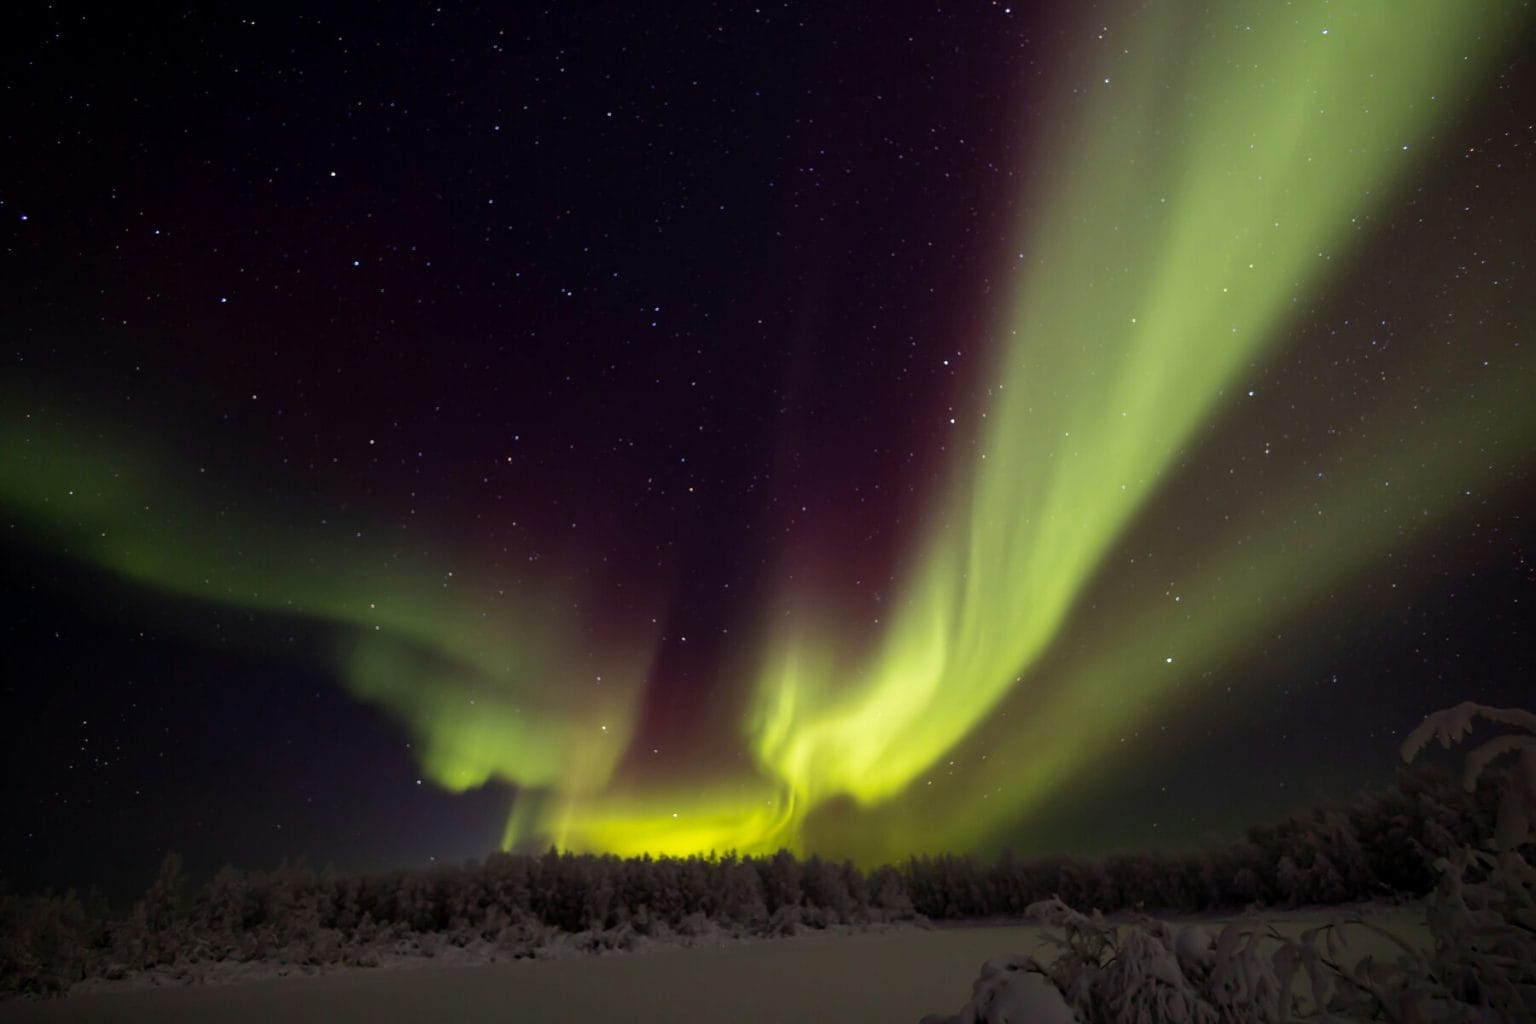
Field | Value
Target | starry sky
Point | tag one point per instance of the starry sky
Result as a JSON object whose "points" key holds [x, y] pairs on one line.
{"points": [[867, 430]]}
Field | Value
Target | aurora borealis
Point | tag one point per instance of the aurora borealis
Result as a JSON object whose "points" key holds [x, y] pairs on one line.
{"points": [[745, 450]]}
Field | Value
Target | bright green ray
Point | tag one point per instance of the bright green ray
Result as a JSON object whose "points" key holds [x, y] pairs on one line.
{"points": [[492, 683], [1253, 578], [1167, 261], [1216, 170]]}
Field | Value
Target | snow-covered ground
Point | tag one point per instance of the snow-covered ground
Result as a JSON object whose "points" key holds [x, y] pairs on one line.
{"points": [[894, 977]]}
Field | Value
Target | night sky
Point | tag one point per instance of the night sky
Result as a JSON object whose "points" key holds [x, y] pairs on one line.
{"points": [[868, 429]]}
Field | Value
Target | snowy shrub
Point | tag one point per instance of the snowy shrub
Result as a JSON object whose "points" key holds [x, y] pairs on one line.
{"points": [[786, 920], [1483, 911], [742, 902], [888, 896], [1517, 803], [154, 934], [222, 913], [824, 889], [781, 881], [1158, 972], [1010, 990], [47, 942], [1481, 915], [693, 925], [521, 938], [695, 886]]}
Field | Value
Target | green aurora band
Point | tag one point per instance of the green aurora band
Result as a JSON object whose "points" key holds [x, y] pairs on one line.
{"points": [[492, 682], [1200, 199]]}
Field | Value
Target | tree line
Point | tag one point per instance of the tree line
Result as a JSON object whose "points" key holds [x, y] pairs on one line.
{"points": [[1380, 845]]}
